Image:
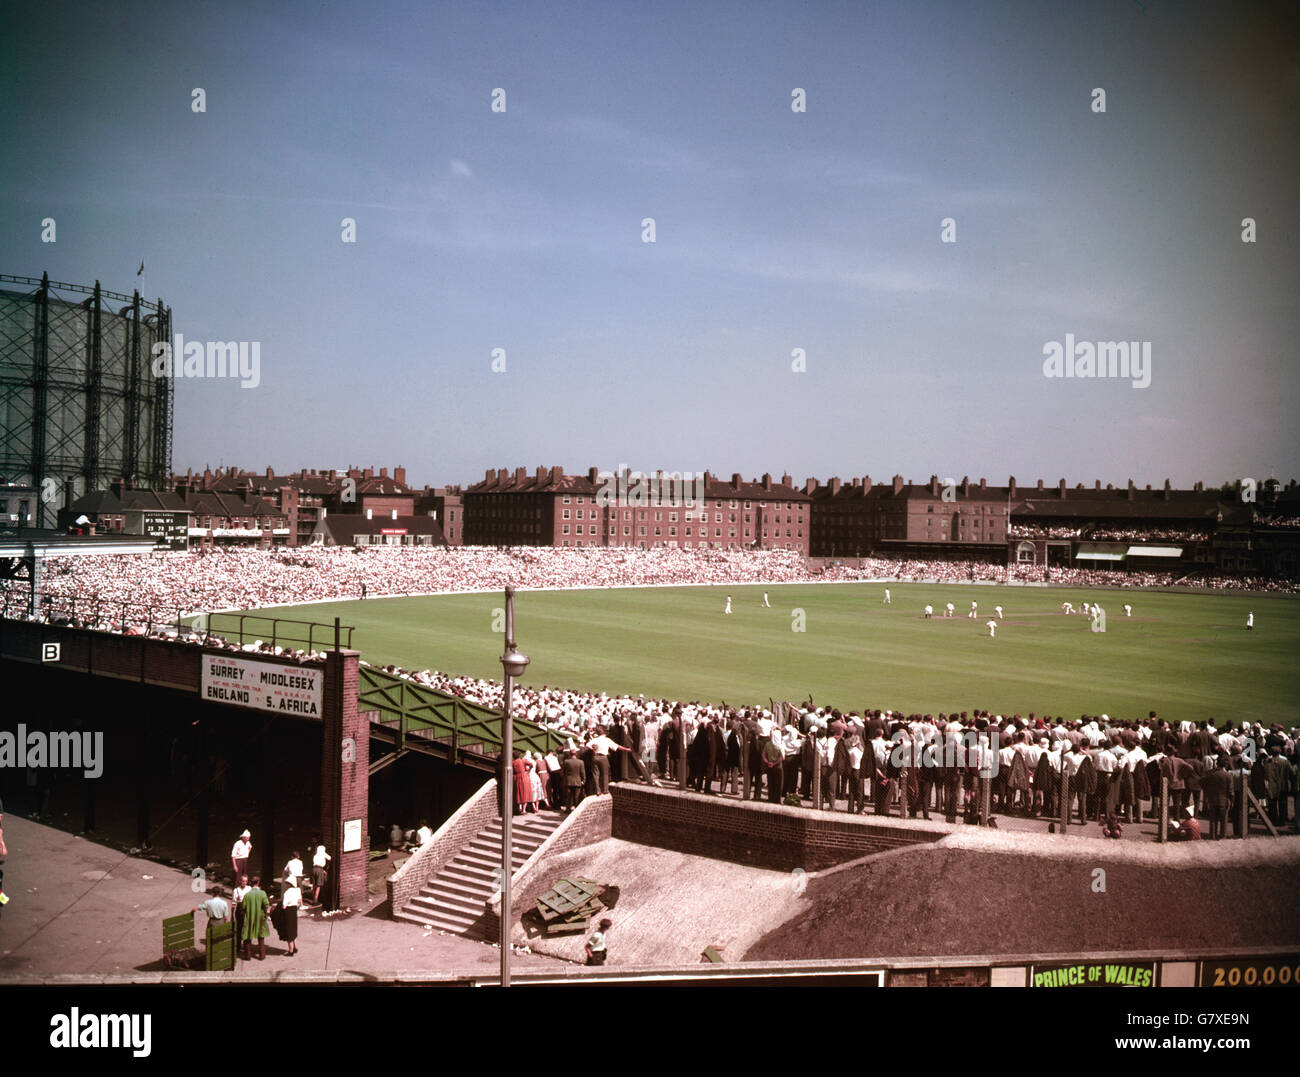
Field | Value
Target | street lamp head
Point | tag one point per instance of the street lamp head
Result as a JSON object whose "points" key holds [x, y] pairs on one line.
{"points": [[514, 663]]}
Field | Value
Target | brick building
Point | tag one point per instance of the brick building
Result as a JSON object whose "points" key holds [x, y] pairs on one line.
{"points": [[549, 508], [444, 504], [306, 496], [946, 520]]}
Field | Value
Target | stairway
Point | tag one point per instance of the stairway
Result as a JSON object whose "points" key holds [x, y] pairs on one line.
{"points": [[454, 899]]}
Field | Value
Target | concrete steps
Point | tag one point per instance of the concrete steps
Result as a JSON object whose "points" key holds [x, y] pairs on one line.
{"points": [[454, 900]]}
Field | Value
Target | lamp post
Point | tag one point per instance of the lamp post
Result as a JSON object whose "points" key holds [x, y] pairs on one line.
{"points": [[514, 665]]}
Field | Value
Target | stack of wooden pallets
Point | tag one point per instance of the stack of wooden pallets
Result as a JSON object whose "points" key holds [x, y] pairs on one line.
{"points": [[568, 907]]}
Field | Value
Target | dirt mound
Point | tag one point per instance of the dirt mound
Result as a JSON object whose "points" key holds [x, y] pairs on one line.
{"points": [[954, 898]]}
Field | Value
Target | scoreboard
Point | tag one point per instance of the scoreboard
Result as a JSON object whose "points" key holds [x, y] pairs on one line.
{"points": [[169, 530]]}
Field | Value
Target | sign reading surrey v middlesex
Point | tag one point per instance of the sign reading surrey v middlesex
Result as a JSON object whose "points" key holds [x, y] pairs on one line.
{"points": [[263, 686]]}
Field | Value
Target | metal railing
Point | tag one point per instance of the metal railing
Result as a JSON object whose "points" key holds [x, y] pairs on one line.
{"points": [[455, 723], [94, 611]]}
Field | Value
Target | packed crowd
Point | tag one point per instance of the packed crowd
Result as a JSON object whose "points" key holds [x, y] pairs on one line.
{"points": [[1102, 533], [125, 588], [1146, 534], [913, 764], [248, 579]]}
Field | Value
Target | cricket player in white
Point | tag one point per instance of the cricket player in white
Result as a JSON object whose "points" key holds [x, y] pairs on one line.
{"points": [[974, 607], [929, 612], [993, 628], [1128, 610], [998, 611], [1067, 607], [948, 612], [1250, 621], [766, 604], [728, 609], [886, 602]]}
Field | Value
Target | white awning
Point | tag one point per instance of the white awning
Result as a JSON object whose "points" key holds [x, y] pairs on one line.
{"points": [[1155, 551], [1093, 555]]}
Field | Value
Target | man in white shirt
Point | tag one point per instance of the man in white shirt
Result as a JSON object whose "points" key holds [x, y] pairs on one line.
{"points": [[239, 854], [1128, 610], [766, 604], [728, 609], [974, 610], [887, 601], [998, 611], [601, 746], [949, 610], [992, 627], [929, 612]]}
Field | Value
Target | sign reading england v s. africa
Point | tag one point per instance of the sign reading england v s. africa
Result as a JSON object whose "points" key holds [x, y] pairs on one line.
{"points": [[263, 686]]}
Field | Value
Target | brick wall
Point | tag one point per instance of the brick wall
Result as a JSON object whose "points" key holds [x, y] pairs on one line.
{"points": [[757, 834], [448, 840], [345, 777], [589, 823]]}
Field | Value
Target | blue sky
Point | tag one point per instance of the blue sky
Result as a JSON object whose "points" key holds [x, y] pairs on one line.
{"points": [[775, 230]]}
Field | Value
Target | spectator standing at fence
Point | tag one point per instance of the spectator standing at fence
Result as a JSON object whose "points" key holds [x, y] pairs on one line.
{"points": [[619, 762], [575, 777], [554, 778], [1217, 787], [601, 746], [523, 783]]}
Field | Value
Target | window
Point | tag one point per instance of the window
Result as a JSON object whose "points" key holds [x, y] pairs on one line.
{"points": [[566, 501], [565, 531], [672, 517], [566, 514]]}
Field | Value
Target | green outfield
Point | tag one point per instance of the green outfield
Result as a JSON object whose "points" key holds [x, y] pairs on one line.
{"points": [[1184, 656]]}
